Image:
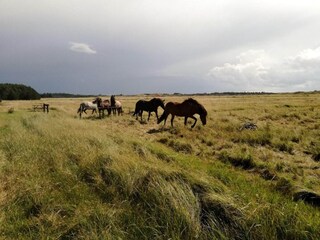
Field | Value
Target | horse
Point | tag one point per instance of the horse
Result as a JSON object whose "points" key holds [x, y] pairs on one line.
{"points": [[148, 106], [185, 109], [115, 105], [84, 106], [103, 105]]}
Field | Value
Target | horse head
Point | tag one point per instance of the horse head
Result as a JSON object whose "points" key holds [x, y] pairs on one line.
{"points": [[203, 115], [97, 101], [161, 103]]}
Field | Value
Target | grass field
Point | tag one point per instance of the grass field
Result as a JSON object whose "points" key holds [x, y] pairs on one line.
{"points": [[120, 178]]}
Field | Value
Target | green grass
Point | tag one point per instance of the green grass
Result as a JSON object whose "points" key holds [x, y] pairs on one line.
{"points": [[117, 178]]}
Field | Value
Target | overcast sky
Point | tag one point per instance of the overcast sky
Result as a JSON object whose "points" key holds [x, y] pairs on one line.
{"points": [[160, 46]]}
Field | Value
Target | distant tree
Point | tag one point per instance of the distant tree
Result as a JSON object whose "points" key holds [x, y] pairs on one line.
{"points": [[10, 91]]}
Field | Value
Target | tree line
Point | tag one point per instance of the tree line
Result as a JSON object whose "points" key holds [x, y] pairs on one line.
{"points": [[9, 91]]}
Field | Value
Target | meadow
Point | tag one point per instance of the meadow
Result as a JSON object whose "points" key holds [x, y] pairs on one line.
{"points": [[62, 177]]}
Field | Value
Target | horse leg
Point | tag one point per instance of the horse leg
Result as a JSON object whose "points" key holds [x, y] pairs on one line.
{"points": [[136, 113], [195, 121], [185, 120], [172, 120], [149, 115], [101, 113], [157, 114], [141, 112]]}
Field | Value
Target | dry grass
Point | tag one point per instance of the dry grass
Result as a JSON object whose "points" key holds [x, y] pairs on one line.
{"points": [[116, 177]]}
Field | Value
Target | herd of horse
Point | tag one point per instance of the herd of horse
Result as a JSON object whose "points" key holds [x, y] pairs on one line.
{"points": [[99, 105], [186, 109]]}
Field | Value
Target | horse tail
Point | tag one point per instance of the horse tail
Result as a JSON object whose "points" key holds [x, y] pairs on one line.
{"points": [[163, 116], [137, 110], [80, 108]]}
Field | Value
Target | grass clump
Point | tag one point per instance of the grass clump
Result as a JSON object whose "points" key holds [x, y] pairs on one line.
{"points": [[261, 136], [242, 159], [11, 110], [314, 150]]}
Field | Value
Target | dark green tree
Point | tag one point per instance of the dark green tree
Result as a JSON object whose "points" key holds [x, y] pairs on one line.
{"points": [[10, 91]]}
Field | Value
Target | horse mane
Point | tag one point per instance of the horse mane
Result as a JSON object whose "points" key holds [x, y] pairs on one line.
{"points": [[112, 100], [192, 101], [155, 100]]}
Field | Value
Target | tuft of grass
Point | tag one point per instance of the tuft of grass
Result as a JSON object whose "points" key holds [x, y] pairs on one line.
{"points": [[261, 136], [284, 186], [283, 146], [242, 159], [11, 110], [314, 150]]}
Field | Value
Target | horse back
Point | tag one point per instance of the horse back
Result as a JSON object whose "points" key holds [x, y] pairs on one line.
{"points": [[180, 109], [144, 105]]}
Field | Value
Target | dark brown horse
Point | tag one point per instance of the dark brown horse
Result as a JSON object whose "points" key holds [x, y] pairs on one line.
{"points": [[103, 105], [148, 106], [185, 109]]}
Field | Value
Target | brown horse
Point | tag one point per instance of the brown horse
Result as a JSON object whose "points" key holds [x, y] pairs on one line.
{"points": [[103, 105], [185, 109]]}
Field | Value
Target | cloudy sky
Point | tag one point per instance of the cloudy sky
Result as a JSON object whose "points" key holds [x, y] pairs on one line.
{"points": [[160, 46]]}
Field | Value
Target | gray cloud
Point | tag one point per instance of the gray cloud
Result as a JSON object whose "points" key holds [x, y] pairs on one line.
{"points": [[159, 46]]}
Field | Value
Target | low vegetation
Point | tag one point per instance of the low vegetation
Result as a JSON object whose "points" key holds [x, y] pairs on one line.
{"points": [[120, 178]]}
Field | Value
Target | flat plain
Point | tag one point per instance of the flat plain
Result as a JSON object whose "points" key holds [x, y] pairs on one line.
{"points": [[63, 177]]}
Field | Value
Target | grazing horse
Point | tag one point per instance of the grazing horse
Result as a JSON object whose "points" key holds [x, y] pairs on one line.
{"points": [[84, 106], [103, 105], [115, 105], [148, 106], [185, 109]]}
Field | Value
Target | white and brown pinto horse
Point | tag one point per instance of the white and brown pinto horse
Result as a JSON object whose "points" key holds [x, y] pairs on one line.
{"points": [[84, 106]]}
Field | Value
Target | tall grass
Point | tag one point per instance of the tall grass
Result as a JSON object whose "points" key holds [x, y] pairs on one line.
{"points": [[115, 178]]}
